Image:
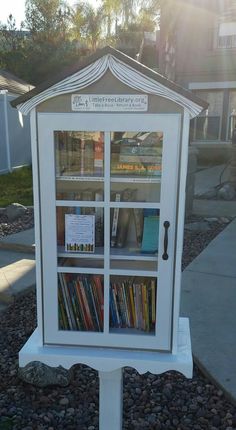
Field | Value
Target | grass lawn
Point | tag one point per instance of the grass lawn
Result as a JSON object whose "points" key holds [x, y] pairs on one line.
{"points": [[16, 187]]}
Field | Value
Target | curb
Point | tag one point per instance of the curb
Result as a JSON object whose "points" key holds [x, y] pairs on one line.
{"points": [[8, 298], [17, 247], [212, 379]]}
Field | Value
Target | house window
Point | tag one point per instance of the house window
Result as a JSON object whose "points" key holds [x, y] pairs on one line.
{"points": [[232, 113], [227, 35], [207, 126]]}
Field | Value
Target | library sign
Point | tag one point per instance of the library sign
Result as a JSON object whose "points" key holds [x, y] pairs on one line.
{"points": [[109, 102]]}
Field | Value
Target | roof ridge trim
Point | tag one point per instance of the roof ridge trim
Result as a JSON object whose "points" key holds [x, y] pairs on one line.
{"points": [[123, 72]]}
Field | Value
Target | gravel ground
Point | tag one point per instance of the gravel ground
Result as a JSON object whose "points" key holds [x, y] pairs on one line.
{"points": [[23, 223], [166, 402]]}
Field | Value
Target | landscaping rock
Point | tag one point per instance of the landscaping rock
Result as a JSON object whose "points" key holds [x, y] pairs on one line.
{"points": [[41, 375], [227, 192], [197, 226], [14, 211], [210, 194]]}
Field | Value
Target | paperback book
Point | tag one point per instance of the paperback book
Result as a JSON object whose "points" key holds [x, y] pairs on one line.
{"points": [[133, 303], [80, 302]]}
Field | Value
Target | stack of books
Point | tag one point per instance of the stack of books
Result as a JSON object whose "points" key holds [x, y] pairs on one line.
{"points": [[80, 302], [79, 154], [133, 304], [136, 159]]}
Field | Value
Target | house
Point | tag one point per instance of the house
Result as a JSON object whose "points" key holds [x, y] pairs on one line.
{"points": [[198, 51], [14, 128]]}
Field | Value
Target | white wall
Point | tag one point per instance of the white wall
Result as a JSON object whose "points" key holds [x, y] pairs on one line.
{"points": [[18, 136]]}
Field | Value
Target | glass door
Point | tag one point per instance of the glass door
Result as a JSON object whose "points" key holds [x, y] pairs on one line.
{"points": [[135, 190], [108, 207]]}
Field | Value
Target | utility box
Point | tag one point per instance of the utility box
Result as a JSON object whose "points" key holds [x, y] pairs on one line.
{"points": [[110, 150]]}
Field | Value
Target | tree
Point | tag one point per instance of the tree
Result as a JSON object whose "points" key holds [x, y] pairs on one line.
{"points": [[87, 23], [111, 10], [48, 20], [49, 47], [11, 47]]}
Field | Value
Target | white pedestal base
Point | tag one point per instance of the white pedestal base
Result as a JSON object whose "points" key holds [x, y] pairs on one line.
{"points": [[109, 363], [111, 400]]}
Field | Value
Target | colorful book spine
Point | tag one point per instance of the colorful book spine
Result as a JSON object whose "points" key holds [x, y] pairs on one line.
{"points": [[98, 157], [133, 304], [152, 159], [115, 222]]}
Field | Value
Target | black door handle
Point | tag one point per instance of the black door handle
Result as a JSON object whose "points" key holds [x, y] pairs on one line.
{"points": [[165, 256]]}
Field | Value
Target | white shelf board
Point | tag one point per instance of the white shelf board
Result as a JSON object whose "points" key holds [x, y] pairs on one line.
{"points": [[130, 331], [137, 180], [80, 203], [140, 205], [126, 272], [126, 254], [81, 178], [115, 254], [80, 270]]}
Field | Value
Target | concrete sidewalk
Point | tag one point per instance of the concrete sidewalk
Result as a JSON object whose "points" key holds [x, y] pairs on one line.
{"points": [[209, 300], [17, 265]]}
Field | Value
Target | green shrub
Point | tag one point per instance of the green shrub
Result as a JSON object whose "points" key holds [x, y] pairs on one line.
{"points": [[16, 187]]}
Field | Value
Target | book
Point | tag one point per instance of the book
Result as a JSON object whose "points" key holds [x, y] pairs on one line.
{"points": [[150, 231], [138, 221], [88, 153], [115, 215], [85, 325], [79, 233], [136, 168], [67, 302], [124, 218], [91, 303], [63, 319], [88, 196], [99, 220], [151, 159], [60, 213], [85, 304], [150, 234], [97, 280], [133, 304], [140, 150], [98, 155]]}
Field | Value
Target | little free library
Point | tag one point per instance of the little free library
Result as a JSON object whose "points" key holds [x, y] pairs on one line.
{"points": [[109, 147]]}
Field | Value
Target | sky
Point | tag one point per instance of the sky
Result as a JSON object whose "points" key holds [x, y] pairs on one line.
{"points": [[17, 8]]}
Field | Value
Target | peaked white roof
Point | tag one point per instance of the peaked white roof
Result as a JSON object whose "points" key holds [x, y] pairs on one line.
{"points": [[124, 72]]}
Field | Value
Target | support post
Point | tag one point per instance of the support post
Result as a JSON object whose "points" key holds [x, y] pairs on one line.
{"points": [[4, 93], [111, 400]]}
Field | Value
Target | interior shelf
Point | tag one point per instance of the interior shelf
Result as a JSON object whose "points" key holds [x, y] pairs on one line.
{"points": [[135, 179], [81, 178], [130, 331], [115, 254]]}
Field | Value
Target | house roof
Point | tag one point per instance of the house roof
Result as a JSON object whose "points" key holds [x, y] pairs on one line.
{"points": [[12, 83], [62, 83]]}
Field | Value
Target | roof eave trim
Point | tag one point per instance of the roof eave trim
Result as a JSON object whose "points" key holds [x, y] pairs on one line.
{"points": [[123, 72]]}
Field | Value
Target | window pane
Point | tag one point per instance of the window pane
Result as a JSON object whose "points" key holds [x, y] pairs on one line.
{"points": [[80, 302], [79, 153], [215, 100], [133, 305], [232, 113], [136, 154], [207, 128], [207, 124]]}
